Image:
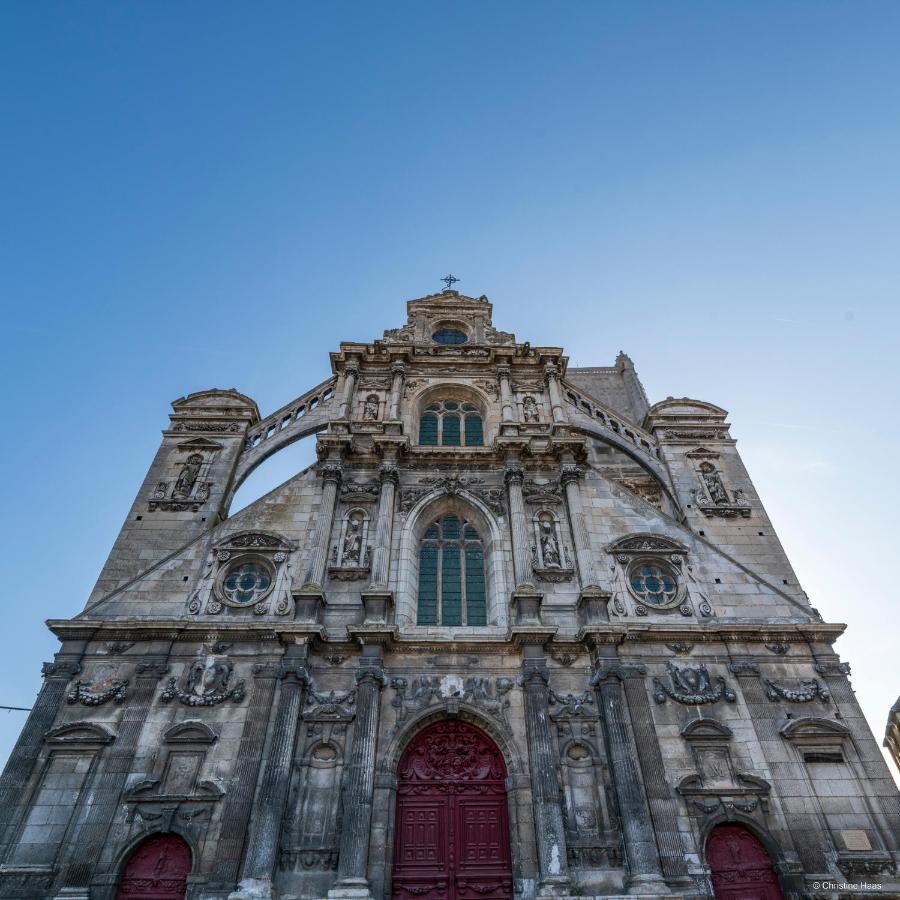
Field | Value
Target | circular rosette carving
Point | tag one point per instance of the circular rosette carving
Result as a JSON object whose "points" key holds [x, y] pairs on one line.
{"points": [[452, 751]]}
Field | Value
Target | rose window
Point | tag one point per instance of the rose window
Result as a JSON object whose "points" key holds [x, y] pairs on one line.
{"points": [[247, 583], [653, 585]]}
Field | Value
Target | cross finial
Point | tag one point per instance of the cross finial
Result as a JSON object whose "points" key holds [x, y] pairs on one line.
{"points": [[449, 280]]}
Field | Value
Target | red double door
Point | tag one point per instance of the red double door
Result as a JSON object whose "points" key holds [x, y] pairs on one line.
{"points": [[740, 867], [156, 870], [452, 831]]}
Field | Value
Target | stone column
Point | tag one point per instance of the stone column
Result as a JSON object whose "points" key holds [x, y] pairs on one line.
{"points": [[351, 373], [506, 402], [515, 475], [398, 376], [548, 817], [634, 810], [318, 558], [384, 526], [25, 753], [108, 781], [570, 477], [360, 785], [551, 376], [261, 857], [239, 799]]}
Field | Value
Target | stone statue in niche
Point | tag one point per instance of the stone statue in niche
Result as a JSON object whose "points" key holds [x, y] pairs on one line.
{"points": [[188, 476], [550, 546], [530, 409], [352, 543], [370, 408], [713, 483]]}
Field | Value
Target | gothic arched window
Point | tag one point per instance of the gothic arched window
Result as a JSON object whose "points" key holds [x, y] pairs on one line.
{"points": [[451, 423], [451, 574]]}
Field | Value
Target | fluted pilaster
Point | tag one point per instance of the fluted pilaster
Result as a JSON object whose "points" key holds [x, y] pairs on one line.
{"points": [[318, 558]]}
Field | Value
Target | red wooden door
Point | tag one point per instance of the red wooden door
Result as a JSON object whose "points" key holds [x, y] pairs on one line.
{"points": [[156, 870], [740, 865], [452, 830]]}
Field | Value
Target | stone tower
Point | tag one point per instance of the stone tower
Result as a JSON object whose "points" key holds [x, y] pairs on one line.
{"points": [[517, 633]]}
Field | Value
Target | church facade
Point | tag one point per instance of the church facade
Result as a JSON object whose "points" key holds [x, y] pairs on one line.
{"points": [[517, 633]]}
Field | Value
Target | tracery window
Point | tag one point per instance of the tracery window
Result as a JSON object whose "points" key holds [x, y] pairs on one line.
{"points": [[451, 574], [246, 582], [653, 583], [451, 423]]}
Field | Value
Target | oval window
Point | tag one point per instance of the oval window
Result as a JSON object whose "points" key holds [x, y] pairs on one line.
{"points": [[449, 336]]}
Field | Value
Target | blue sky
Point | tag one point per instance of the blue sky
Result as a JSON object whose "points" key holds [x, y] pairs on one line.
{"points": [[216, 194]]}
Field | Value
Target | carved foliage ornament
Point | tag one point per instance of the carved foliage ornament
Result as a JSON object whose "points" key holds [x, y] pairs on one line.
{"points": [[87, 695], [692, 685], [452, 751], [809, 689]]}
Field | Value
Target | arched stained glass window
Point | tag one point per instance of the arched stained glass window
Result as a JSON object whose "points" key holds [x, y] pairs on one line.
{"points": [[451, 423], [449, 336], [451, 574]]}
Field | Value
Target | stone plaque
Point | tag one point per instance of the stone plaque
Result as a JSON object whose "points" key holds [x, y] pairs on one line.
{"points": [[856, 840]]}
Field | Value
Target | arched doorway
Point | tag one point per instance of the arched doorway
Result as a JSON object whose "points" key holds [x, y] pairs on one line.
{"points": [[157, 869], [740, 866], [452, 827]]}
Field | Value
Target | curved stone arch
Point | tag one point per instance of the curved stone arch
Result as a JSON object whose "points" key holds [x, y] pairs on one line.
{"points": [[777, 853], [133, 842], [648, 463], [496, 552], [494, 728], [282, 428], [307, 758]]}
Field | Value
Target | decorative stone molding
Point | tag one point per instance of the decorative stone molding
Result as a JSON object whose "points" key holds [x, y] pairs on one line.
{"points": [[617, 671], [692, 686], [208, 425], [335, 706], [60, 669], [117, 647], [489, 695], [869, 866], [360, 491], [646, 543], [743, 668], [452, 485], [564, 659], [809, 689], [680, 647], [206, 683], [832, 668], [572, 704], [83, 693], [542, 494], [779, 648]]}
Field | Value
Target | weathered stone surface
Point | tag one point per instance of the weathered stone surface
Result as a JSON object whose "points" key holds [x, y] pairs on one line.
{"points": [[645, 659]]}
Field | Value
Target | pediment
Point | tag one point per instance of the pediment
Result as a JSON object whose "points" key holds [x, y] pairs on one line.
{"points": [[193, 732], [646, 543], [199, 444], [706, 729], [814, 729], [79, 733]]}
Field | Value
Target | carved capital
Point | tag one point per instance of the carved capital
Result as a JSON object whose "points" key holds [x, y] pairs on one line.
{"points": [[832, 668], [351, 370], [534, 677], [294, 673], [398, 369], [743, 668], [331, 472], [266, 670], [61, 669], [503, 373], [371, 675], [388, 474], [616, 672], [514, 475], [551, 372], [152, 668], [570, 474]]}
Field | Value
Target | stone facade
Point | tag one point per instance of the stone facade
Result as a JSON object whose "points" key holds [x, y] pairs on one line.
{"points": [[649, 666]]}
